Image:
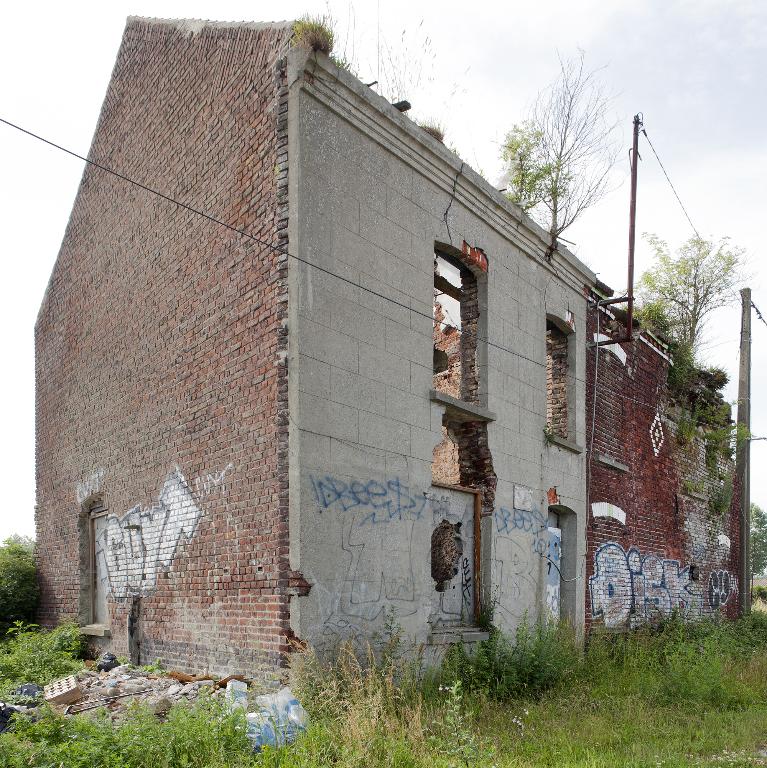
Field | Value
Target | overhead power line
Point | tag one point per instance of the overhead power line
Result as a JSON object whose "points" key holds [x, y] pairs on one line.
{"points": [[274, 247], [283, 249], [758, 313], [673, 188]]}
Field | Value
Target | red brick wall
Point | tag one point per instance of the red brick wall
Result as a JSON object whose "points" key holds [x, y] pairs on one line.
{"points": [[639, 570], [160, 345]]}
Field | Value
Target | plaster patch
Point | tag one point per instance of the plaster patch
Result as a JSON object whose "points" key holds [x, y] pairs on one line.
{"points": [[616, 349], [523, 498], [90, 486], [604, 509]]}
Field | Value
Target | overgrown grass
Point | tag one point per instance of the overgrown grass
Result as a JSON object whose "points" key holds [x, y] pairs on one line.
{"points": [[675, 695], [30, 656], [315, 33]]}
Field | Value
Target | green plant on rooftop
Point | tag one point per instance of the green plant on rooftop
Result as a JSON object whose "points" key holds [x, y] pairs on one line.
{"points": [[315, 33], [433, 128]]}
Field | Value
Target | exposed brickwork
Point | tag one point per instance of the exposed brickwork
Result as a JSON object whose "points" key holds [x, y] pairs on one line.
{"points": [[445, 466], [161, 344], [556, 381], [448, 340], [669, 555], [469, 330]]}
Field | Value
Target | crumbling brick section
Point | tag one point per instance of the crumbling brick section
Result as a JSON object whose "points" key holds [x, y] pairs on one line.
{"points": [[556, 380], [160, 355], [447, 355], [469, 329]]}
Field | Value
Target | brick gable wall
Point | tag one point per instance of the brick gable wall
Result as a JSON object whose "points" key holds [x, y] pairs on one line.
{"points": [[160, 348]]}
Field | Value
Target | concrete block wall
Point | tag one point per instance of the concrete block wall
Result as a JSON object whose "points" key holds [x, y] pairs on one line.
{"points": [[369, 194], [161, 385], [654, 545]]}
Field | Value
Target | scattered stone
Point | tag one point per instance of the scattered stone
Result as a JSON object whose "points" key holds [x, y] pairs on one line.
{"points": [[162, 706]]}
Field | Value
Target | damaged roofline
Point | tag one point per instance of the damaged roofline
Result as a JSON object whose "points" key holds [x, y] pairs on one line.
{"points": [[359, 105]]}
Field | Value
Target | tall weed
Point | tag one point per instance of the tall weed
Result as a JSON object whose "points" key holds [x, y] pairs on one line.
{"points": [[32, 656], [538, 658]]}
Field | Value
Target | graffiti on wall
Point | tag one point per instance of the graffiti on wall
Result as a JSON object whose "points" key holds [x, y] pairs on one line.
{"points": [[377, 530], [372, 502], [212, 482], [628, 588], [377, 523], [132, 550], [522, 544], [721, 587]]}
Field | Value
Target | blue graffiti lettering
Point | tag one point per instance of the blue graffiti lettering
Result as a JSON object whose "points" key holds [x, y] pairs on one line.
{"points": [[384, 502]]}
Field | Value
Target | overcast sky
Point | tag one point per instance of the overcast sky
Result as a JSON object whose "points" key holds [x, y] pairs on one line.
{"points": [[695, 69]]}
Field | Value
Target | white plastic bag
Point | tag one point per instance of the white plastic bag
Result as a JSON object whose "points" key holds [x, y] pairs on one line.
{"points": [[279, 720], [237, 694]]}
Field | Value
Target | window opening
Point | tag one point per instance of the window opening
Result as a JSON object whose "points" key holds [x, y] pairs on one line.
{"points": [[456, 315], [557, 362]]}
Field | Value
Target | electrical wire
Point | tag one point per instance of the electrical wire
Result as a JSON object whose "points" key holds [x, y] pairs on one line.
{"points": [[673, 189], [272, 246], [758, 313], [283, 250]]}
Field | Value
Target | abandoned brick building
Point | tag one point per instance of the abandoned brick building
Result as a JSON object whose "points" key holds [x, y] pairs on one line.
{"points": [[370, 405]]}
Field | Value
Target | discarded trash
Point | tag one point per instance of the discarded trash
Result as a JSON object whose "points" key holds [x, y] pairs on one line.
{"points": [[279, 721], [63, 691], [237, 694], [6, 710], [107, 662], [28, 694]]}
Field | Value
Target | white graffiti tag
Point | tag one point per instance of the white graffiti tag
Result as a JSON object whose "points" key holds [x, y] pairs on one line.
{"points": [[628, 589], [134, 548]]}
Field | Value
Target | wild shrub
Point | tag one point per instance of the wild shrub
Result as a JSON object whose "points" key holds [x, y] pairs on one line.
{"points": [[314, 33], [539, 657], [18, 583], [33, 656]]}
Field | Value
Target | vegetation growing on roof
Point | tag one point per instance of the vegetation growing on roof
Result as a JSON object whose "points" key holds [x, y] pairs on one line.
{"points": [[435, 129], [315, 33]]}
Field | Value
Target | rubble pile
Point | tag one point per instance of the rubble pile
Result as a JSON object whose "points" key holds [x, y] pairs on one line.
{"points": [[278, 717], [117, 688], [114, 689]]}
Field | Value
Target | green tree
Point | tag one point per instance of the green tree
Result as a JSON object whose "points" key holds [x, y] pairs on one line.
{"points": [[18, 582], [682, 291], [758, 541], [557, 161]]}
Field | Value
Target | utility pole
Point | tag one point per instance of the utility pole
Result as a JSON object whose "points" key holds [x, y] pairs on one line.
{"points": [[743, 458], [632, 227]]}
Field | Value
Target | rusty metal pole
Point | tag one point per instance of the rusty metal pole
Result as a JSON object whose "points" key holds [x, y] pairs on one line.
{"points": [[632, 228]]}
